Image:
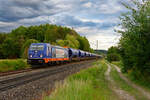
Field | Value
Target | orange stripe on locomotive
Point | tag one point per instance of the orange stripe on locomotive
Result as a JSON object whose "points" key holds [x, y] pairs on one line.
{"points": [[55, 59]]}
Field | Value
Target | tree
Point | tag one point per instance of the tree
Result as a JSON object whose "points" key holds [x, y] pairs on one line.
{"points": [[134, 43], [84, 43], [10, 48], [25, 47], [20, 31], [51, 34], [113, 54], [71, 42], [3, 36], [61, 43]]}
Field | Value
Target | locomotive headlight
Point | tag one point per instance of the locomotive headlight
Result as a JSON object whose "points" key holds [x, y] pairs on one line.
{"points": [[41, 55], [31, 56]]}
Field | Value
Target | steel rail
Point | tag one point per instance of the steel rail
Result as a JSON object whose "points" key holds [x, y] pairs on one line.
{"points": [[21, 80]]}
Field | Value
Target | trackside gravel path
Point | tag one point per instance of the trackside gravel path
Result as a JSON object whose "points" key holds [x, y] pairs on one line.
{"points": [[123, 95], [140, 89]]}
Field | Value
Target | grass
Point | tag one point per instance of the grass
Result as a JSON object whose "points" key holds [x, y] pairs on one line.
{"points": [[141, 81], [124, 86], [88, 84], [118, 63], [10, 65]]}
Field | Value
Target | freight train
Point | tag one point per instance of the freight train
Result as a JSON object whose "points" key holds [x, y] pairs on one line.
{"points": [[45, 53]]}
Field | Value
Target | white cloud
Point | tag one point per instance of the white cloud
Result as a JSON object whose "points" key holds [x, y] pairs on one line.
{"points": [[7, 24], [34, 20], [87, 5], [109, 7], [106, 38], [91, 20], [104, 41]]}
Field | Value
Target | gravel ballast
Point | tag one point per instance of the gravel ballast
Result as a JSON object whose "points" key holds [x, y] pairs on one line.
{"points": [[35, 89]]}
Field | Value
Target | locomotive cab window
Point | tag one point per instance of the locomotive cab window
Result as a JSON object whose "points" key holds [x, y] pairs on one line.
{"points": [[37, 47]]}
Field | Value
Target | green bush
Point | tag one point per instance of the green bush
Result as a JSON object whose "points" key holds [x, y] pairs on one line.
{"points": [[113, 54], [10, 65], [113, 57]]}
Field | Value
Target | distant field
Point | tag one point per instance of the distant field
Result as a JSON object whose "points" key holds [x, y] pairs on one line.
{"points": [[12, 64]]}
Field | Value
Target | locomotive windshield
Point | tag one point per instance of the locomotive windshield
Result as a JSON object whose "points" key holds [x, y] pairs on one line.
{"points": [[37, 47]]}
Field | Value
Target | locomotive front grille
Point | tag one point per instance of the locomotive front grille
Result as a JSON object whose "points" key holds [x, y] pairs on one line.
{"points": [[35, 61]]}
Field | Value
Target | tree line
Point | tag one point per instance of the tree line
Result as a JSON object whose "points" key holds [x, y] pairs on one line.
{"points": [[16, 43], [134, 45]]}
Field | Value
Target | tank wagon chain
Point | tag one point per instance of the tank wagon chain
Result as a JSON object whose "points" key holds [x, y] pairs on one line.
{"points": [[45, 53]]}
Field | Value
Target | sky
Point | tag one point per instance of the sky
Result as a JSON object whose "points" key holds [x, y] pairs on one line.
{"points": [[95, 19]]}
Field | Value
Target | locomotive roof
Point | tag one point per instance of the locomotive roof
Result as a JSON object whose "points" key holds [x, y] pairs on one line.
{"points": [[39, 43], [58, 47], [64, 48]]}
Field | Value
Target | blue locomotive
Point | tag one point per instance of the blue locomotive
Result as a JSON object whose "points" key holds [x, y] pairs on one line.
{"points": [[45, 53]]}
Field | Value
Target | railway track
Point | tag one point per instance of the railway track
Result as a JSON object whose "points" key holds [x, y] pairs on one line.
{"points": [[14, 72], [20, 80]]}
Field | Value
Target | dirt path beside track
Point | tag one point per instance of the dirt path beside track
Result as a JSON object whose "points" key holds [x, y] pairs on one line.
{"points": [[123, 95], [140, 89]]}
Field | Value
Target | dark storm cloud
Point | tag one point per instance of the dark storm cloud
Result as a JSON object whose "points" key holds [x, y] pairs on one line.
{"points": [[68, 12], [68, 20], [14, 10], [71, 21]]}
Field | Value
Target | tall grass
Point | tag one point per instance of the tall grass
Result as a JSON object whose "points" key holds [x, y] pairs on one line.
{"points": [[89, 84], [10, 65]]}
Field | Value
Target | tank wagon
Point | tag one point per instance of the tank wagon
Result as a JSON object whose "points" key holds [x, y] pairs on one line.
{"points": [[45, 53], [74, 54]]}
